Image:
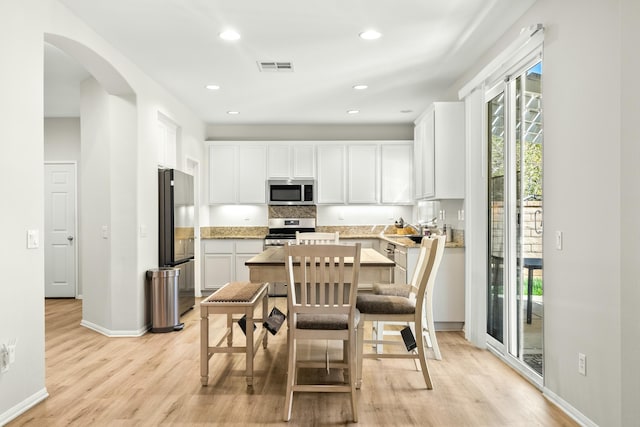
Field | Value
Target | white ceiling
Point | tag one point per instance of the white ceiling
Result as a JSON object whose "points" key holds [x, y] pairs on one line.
{"points": [[425, 46]]}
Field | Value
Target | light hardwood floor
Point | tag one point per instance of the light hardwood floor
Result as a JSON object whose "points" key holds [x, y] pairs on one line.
{"points": [[155, 380]]}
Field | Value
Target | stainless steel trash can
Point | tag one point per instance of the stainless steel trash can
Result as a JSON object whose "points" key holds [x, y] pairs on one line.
{"points": [[163, 283]]}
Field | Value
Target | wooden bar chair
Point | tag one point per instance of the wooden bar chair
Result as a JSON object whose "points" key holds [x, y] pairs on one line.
{"points": [[240, 298], [415, 308], [322, 295]]}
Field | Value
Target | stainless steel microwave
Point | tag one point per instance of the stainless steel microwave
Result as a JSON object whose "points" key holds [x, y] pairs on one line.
{"points": [[291, 192]]}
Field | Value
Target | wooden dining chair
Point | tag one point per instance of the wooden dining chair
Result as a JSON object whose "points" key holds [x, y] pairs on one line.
{"points": [[414, 308], [322, 294], [317, 238]]}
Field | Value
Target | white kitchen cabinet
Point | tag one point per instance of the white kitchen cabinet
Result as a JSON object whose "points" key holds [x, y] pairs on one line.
{"points": [[397, 173], [439, 152], [304, 160], [278, 161], [252, 174], [331, 174], [364, 243], [167, 142], [363, 174], [237, 173], [448, 293], [224, 260], [291, 160], [218, 263]]}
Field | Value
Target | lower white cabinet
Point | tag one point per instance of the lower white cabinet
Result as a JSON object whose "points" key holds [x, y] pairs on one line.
{"points": [[448, 294], [224, 260]]}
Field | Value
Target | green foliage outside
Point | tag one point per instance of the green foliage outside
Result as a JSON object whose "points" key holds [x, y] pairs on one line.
{"points": [[532, 165], [537, 286]]}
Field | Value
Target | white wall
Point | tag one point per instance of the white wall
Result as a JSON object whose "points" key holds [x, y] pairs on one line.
{"points": [[135, 164], [630, 212], [62, 139], [388, 132], [362, 214], [23, 27], [95, 202], [582, 164], [21, 140]]}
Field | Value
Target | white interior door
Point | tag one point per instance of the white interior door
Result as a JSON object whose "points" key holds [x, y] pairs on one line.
{"points": [[60, 230]]}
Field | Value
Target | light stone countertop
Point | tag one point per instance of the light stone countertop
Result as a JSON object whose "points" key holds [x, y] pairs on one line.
{"points": [[346, 232]]}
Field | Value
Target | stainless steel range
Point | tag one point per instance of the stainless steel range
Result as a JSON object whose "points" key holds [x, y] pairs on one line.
{"points": [[283, 230]]}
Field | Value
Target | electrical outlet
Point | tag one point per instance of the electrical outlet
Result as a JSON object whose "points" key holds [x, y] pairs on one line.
{"points": [[4, 358], [582, 364]]}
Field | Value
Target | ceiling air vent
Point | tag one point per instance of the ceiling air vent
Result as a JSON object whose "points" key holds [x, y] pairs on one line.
{"points": [[272, 66]]}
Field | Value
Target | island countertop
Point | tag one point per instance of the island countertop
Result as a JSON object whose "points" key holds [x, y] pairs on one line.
{"points": [[274, 256]]}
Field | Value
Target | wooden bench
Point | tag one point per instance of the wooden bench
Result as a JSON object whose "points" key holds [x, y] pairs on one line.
{"points": [[233, 298]]}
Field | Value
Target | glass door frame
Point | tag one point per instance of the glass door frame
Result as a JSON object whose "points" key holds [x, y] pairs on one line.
{"points": [[511, 345]]}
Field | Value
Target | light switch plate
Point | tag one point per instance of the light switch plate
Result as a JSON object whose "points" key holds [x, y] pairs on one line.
{"points": [[559, 240], [33, 239]]}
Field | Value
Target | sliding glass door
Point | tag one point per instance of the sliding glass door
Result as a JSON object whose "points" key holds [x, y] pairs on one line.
{"points": [[515, 285]]}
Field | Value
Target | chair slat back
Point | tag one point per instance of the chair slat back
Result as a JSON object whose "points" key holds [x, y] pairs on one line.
{"points": [[319, 279], [317, 238], [431, 252]]}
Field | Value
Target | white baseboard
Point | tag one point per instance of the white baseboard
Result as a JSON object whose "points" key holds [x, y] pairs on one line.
{"points": [[110, 333], [23, 406], [568, 409]]}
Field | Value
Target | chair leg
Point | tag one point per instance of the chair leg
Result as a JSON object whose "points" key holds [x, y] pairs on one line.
{"points": [[353, 367], [359, 352], [432, 333], [230, 327], [291, 379], [412, 325], [421, 353], [204, 347]]}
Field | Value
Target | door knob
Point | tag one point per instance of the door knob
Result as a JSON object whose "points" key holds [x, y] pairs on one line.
{"points": [[69, 238]]}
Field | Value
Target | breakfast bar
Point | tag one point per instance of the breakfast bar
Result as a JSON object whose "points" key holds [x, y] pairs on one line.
{"points": [[268, 266]]}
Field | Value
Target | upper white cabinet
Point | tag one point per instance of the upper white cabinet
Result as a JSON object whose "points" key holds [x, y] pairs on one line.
{"points": [[291, 160], [363, 174], [167, 142], [439, 152], [331, 174], [237, 173], [397, 173], [346, 172]]}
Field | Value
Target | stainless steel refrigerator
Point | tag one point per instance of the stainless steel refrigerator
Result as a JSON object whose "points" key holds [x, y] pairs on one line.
{"points": [[177, 226]]}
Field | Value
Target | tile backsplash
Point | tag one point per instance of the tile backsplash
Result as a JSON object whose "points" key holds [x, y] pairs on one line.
{"points": [[307, 211]]}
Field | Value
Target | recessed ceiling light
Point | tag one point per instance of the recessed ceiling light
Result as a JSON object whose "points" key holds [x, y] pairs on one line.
{"points": [[360, 87], [212, 87], [229, 35], [370, 35], [353, 111], [233, 113]]}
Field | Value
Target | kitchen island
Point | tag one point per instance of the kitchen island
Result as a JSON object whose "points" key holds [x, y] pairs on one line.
{"points": [[268, 266]]}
